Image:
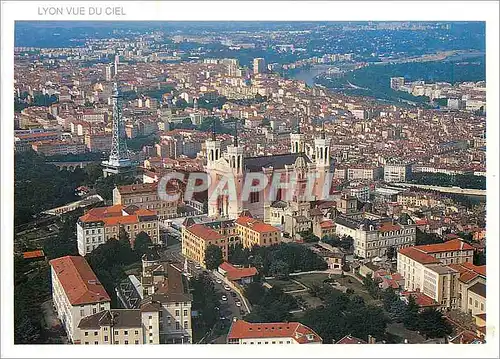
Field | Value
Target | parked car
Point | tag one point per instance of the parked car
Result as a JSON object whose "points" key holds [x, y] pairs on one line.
{"points": [[218, 281], [197, 266], [224, 298], [233, 294], [238, 304], [226, 287], [242, 312]]}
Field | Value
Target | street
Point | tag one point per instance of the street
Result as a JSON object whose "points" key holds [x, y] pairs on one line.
{"points": [[228, 308]]}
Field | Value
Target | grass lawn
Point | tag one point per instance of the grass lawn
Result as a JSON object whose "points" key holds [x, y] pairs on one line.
{"points": [[312, 302], [285, 285], [358, 289], [309, 279]]}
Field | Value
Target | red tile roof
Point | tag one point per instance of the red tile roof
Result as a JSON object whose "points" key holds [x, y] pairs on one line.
{"points": [[478, 269], [421, 299], [451, 245], [241, 329], [205, 233], [418, 256], [388, 227], [113, 215], [234, 273], [78, 280], [33, 254], [138, 188], [327, 224], [255, 225], [468, 271]]}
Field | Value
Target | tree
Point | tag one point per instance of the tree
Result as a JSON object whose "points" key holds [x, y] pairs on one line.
{"points": [[397, 311], [205, 301], [280, 269], [389, 297], [343, 314], [479, 259], [411, 314], [254, 292], [309, 237], [371, 286], [123, 237], [142, 243], [432, 324], [213, 257]]}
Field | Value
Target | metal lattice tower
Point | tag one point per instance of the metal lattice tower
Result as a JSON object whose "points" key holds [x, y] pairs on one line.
{"points": [[119, 154]]}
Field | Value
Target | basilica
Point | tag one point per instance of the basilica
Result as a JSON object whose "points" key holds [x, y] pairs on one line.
{"points": [[275, 204]]}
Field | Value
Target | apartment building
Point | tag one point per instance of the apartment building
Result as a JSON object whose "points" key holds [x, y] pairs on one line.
{"points": [[76, 293], [24, 139], [416, 200], [374, 236], [145, 196], [98, 142], [100, 224], [435, 271], [199, 233], [361, 192], [453, 251], [471, 287], [362, 173], [163, 283], [397, 172], [253, 232], [243, 332], [56, 147], [122, 326]]}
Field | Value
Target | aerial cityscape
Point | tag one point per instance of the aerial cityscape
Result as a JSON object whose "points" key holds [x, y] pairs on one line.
{"points": [[249, 183]]}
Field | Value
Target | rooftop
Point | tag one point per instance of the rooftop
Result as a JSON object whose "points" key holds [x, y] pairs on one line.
{"points": [[417, 255], [204, 232], [241, 329], [79, 281], [255, 225], [451, 245]]}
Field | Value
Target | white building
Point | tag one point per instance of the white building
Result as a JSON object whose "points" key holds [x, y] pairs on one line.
{"points": [[122, 326], [259, 65], [76, 293], [102, 223], [361, 192], [397, 172], [373, 237], [242, 332]]}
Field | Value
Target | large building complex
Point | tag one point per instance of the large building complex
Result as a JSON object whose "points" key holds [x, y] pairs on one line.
{"points": [[100, 224], [440, 271], [234, 165]]}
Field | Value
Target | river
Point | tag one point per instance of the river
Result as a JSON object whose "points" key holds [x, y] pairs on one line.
{"points": [[308, 74]]}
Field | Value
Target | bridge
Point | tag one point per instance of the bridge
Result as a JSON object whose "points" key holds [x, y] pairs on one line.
{"points": [[71, 166], [457, 190]]}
